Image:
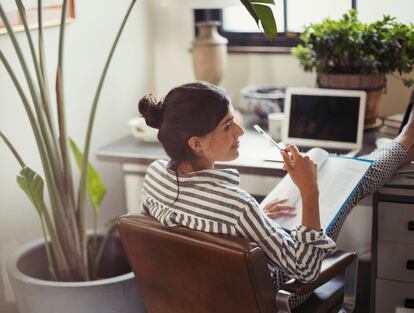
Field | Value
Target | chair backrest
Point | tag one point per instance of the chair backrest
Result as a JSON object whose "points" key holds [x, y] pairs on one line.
{"points": [[185, 271]]}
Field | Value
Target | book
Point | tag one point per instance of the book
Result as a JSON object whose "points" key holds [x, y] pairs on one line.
{"points": [[389, 130], [394, 120], [338, 178]]}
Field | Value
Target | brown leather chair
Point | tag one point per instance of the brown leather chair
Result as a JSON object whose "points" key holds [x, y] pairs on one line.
{"points": [[179, 270]]}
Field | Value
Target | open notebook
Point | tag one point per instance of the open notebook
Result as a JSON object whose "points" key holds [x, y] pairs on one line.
{"points": [[338, 177]]}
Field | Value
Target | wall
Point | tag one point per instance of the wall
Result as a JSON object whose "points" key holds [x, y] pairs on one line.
{"points": [[88, 40]]}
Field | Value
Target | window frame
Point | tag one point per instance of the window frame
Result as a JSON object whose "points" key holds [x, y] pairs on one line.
{"points": [[243, 41]]}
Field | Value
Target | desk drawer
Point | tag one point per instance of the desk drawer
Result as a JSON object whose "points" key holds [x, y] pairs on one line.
{"points": [[396, 222], [395, 261], [389, 295]]}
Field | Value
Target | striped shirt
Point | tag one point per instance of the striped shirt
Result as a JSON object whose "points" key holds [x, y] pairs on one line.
{"points": [[211, 201]]}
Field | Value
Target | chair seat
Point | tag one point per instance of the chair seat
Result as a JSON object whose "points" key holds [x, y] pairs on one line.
{"points": [[327, 298]]}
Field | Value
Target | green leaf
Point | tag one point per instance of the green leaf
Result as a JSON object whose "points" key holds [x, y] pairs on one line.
{"points": [[250, 9], [267, 20], [408, 82], [261, 12], [94, 183], [32, 184]]}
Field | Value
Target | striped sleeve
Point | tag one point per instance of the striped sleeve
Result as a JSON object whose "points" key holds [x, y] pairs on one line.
{"points": [[299, 254]]}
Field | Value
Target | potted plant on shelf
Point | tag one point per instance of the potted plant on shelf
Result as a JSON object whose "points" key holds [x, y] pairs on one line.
{"points": [[73, 269], [349, 54]]}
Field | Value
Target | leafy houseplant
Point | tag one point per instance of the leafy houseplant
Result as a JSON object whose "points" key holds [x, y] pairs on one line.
{"points": [[345, 52], [71, 255]]}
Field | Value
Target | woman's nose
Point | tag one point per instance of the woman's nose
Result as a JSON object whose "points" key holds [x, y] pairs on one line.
{"points": [[240, 130]]}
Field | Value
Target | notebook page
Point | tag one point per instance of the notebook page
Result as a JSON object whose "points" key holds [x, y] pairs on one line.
{"points": [[337, 179], [287, 189]]}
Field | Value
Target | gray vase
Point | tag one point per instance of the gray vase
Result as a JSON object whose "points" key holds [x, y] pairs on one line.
{"points": [[27, 269]]}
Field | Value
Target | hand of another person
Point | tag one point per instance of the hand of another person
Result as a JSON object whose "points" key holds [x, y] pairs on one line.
{"points": [[301, 169], [279, 208]]}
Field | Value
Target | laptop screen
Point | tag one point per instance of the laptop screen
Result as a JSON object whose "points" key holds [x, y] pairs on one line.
{"points": [[324, 117]]}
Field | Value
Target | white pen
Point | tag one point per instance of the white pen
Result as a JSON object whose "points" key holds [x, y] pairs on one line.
{"points": [[262, 132]]}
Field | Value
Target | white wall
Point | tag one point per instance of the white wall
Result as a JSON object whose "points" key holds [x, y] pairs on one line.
{"points": [[88, 40], [173, 33]]}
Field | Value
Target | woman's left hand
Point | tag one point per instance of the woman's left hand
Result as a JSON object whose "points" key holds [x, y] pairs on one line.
{"points": [[279, 208]]}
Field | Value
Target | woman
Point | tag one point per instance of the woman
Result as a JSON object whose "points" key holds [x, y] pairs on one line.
{"points": [[197, 128]]}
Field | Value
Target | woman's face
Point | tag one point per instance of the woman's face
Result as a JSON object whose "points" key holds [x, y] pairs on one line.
{"points": [[222, 144]]}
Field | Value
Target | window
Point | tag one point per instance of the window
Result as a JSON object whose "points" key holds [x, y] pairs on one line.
{"points": [[292, 15]]}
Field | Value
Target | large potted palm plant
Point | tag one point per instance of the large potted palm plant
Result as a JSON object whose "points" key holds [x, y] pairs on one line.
{"points": [[349, 54], [73, 270]]}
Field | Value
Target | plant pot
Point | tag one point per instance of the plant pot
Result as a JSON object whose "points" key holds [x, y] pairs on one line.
{"points": [[27, 269], [372, 84]]}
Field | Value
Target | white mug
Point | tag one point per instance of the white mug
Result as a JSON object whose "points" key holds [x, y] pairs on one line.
{"points": [[276, 121]]}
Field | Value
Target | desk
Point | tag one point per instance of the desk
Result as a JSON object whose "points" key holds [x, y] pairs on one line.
{"points": [[136, 155], [130, 150], [133, 150], [257, 177]]}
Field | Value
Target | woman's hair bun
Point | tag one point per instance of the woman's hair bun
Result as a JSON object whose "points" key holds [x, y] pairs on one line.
{"points": [[151, 110]]}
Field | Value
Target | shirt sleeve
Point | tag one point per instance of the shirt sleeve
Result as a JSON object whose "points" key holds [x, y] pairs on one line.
{"points": [[298, 254]]}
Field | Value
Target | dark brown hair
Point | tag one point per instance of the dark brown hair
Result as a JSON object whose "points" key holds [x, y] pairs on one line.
{"points": [[193, 109]]}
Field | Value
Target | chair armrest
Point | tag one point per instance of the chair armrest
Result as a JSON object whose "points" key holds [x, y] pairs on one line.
{"points": [[332, 266]]}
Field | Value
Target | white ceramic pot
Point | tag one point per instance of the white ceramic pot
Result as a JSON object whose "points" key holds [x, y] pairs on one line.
{"points": [[27, 268]]}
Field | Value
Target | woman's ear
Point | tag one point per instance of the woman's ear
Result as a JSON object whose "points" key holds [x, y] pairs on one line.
{"points": [[195, 144]]}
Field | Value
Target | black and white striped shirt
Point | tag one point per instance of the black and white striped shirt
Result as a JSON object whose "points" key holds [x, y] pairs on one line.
{"points": [[211, 201]]}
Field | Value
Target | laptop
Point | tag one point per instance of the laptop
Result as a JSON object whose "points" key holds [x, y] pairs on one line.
{"points": [[332, 119]]}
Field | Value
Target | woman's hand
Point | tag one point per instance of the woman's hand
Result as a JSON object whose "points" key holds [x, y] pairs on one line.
{"points": [[303, 172], [279, 208], [301, 169]]}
